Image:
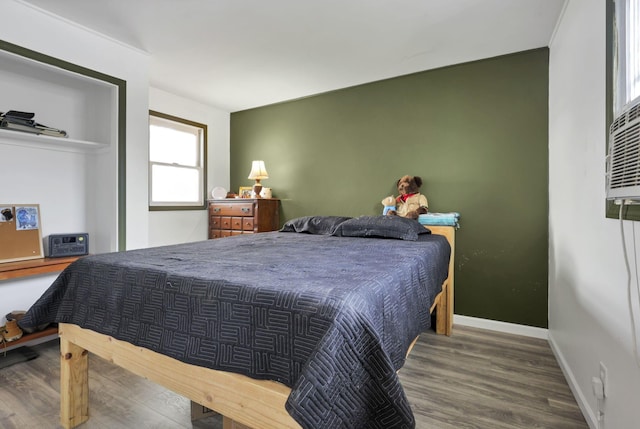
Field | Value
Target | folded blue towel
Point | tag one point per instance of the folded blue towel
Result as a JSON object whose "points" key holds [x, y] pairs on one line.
{"points": [[446, 219]]}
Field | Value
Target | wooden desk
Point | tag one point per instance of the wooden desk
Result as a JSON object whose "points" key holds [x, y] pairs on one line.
{"points": [[32, 267]]}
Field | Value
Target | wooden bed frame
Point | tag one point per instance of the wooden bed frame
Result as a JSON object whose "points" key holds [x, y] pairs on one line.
{"points": [[244, 402]]}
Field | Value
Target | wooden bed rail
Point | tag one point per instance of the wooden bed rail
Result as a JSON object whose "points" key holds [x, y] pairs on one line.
{"points": [[254, 403]]}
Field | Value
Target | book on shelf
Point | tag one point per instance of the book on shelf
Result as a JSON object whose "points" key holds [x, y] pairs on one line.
{"points": [[18, 127], [27, 122], [15, 114], [23, 121]]}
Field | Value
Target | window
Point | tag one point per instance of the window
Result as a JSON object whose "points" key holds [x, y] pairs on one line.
{"points": [[177, 163], [623, 74], [626, 54]]}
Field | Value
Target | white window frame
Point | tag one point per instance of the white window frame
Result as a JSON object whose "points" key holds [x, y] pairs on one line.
{"points": [[626, 53], [180, 124]]}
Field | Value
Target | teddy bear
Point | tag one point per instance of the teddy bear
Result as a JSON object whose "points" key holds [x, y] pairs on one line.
{"points": [[410, 203], [389, 204]]}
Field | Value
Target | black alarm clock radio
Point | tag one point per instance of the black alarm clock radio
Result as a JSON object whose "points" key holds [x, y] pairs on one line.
{"points": [[67, 245]]}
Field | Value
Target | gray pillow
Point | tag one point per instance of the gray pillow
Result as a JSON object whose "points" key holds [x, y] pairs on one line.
{"points": [[397, 227], [324, 225]]}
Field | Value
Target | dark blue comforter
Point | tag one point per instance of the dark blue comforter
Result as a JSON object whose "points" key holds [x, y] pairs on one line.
{"points": [[330, 317]]}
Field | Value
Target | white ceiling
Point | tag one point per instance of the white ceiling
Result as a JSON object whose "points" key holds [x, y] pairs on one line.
{"points": [[239, 54]]}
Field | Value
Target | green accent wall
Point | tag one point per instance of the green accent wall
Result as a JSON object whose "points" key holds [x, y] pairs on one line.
{"points": [[477, 134]]}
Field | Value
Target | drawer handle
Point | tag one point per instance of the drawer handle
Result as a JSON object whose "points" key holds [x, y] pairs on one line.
{"points": [[245, 209], [216, 209]]}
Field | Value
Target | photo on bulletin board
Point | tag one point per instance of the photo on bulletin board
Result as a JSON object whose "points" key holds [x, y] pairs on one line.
{"points": [[6, 214], [20, 232], [27, 218]]}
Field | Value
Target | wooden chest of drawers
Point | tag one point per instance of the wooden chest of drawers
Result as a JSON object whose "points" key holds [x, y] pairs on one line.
{"points": [[243, 216]]}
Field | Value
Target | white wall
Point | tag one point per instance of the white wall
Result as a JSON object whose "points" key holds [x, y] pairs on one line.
{"points": [[170, 227], [38, 31], [589, 320], [24, 166]]}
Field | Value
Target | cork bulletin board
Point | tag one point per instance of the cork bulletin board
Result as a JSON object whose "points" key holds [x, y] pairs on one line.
{"points": [[20, 232]]}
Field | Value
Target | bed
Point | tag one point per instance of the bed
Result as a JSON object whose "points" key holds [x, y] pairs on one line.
{"points": [[305, 327]]}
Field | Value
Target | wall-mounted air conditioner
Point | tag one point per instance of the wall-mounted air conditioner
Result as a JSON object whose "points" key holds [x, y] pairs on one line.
{"points": [[623, 161]]}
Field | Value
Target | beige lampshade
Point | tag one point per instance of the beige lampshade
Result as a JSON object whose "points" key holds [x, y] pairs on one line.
{"points": [[258, 171]]}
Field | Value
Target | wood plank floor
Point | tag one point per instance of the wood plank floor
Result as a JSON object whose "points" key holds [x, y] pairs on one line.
{"points": [[487, 380], [484, 380]]}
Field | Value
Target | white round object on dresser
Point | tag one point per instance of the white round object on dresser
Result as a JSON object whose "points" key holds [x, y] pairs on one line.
{"points": [[219, 193]]}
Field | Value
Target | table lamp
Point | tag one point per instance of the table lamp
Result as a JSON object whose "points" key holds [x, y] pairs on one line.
{"points": [[258, 172]]}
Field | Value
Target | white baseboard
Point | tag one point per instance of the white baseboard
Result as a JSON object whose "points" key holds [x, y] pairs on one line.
{"points": [[587, 411], [494, 325]]}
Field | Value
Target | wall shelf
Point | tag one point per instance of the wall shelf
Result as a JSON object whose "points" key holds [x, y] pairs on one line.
{"points": [[46, 334], [40, 141]]}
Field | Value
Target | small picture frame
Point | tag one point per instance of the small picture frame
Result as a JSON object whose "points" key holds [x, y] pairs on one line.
{"points": [[245, 191]]}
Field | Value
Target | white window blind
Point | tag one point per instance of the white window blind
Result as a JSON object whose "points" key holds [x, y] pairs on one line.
{"points": [[627, 54]]}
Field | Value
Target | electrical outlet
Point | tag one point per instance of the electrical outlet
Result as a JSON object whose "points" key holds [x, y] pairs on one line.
{"points": [[598, 388], [603, 377]]}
